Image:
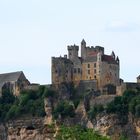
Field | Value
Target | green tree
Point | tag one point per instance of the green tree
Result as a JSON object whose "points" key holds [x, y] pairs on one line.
{"points": [[65, 109], [13, 112], [78, 133]]}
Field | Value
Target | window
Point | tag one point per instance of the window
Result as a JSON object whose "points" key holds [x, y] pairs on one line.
{"points": [[88, 65], [94, 65], [74, 70], [88, 71], [95, 77], [78, 70], [95, 71]]}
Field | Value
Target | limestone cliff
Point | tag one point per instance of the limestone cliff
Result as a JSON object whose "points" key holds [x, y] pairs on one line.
{"points": [[42, 128]]}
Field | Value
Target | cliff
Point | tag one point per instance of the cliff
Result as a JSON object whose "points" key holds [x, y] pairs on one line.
{"points": [[41, 128], [69, 108]]}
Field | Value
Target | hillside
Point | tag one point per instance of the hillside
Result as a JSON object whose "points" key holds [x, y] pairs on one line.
{"points": [[49, 113]]}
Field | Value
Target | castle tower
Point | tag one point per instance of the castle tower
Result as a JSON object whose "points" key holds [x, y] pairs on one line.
{"points": [[83, 49], [73, 52]]}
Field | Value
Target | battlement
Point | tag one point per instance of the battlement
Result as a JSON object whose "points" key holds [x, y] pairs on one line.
{"points": [[56, 60], [96, 48], [73, 47]]}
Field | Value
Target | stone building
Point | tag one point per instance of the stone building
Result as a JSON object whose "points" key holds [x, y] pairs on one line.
{"points": [[138, 79], [13, 82], [93, 65]]}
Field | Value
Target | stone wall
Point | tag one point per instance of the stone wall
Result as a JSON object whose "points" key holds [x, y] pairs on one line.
{"points": [[61, 70], [126, 86], [87, 85]]}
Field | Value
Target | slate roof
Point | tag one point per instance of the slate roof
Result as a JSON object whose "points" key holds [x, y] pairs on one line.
{"points": [[9, 77], [109, 59]]}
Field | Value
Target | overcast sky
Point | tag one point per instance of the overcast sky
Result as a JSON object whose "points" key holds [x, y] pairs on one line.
{"points": [[32, 31]]}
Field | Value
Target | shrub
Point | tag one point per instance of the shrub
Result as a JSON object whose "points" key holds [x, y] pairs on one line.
{"points": [[78, 133], [49, 93], [65, 109], [95, 110]]}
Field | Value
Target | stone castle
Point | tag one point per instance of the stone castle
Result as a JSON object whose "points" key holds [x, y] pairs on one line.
{"points": [[93, 67]]}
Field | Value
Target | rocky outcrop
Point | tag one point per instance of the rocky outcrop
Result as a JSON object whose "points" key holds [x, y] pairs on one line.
{"points": [[3, 132], [48, 109], [82, 117], [46, 129], [110, 125], [27, 129]]}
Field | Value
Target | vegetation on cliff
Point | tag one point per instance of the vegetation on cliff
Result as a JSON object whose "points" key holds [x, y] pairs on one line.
{"points": [[28, 103], [129, 102], [78, 133], [31, 103]]}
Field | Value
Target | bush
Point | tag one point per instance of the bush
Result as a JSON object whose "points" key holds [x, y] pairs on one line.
{"points": [[78, 133], [49, 93], [13, 112], [95, 110], [65, 109]]}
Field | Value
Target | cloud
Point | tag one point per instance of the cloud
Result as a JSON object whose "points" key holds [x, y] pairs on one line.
{"points": [[121, 26]]}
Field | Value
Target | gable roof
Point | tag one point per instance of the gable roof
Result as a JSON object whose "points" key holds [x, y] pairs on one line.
{"points": [[9, 77]]}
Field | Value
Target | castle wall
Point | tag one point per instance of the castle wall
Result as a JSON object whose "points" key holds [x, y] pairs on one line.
{"points": [[109, 74], [61, 70], [89, 71], [127, 86], [86, 85]]}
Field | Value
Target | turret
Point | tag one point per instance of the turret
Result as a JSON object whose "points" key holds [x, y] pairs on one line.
{"points": [[73, 52], [117, 60], [113, 54], [83, 49]]}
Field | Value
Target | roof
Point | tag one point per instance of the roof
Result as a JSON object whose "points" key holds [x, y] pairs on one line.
{"points": [[109, 59], [138, 77], [9, 77]]}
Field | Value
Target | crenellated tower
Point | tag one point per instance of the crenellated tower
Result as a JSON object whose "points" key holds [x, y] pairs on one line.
{"points": [[73, 52], [83, 49]]}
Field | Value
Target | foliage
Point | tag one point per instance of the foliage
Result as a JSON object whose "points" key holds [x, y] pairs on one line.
{"points": [[49, 93], [78, 133], [95, 110], [65, 109], [29, 102], [122, 137], [134, 106], [122, 105]]}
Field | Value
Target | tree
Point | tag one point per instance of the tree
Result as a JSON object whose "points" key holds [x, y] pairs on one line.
{"points": [[65, 109]]}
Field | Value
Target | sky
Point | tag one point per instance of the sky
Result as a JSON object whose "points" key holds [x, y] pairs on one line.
{"points": [[32, 31]]}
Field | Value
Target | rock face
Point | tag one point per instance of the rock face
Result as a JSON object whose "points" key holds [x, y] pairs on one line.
{"points": [[27, 129], [48, 110], [3, 132], [45, 128], [82, 116], [110, 125]]}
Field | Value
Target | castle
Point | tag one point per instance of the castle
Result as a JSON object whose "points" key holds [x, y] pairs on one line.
{"points": [[93, 67]]}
